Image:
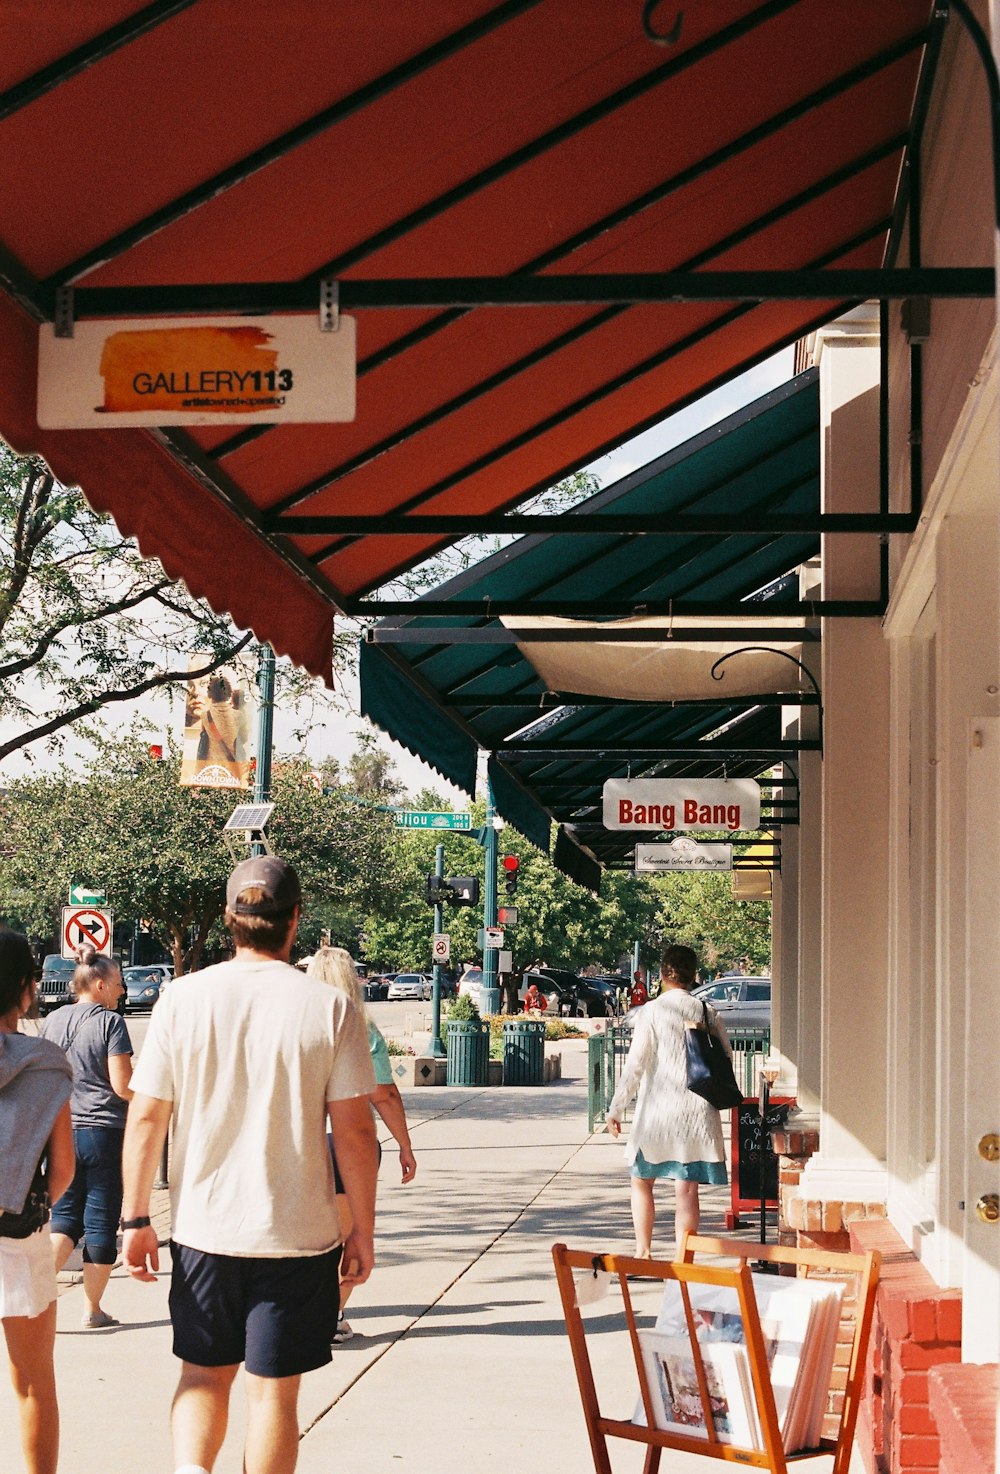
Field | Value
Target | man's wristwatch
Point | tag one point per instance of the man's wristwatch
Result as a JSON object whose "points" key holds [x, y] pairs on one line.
{"points": [[142, 1222]]}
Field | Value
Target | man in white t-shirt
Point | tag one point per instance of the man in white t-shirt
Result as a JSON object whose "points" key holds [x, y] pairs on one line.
{"points": [[250, 1060]]}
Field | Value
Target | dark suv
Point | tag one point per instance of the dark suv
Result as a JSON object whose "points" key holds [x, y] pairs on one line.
{"points": [[56, 986]]}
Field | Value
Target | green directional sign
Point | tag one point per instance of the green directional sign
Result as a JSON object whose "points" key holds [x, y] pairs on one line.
{"points": [[414, 819], [86, 895]]}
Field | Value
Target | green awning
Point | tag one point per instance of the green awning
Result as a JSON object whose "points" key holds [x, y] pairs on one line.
{"points": [[443, 691]]}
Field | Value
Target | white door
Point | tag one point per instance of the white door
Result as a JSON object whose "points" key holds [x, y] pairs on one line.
{"points": [[981, 1274]]}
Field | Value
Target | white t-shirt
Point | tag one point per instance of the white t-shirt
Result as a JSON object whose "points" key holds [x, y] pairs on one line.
{"points": [[249, 1053]]}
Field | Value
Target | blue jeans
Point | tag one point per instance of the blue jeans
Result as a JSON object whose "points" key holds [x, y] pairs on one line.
{"points": [[91, 1206]]}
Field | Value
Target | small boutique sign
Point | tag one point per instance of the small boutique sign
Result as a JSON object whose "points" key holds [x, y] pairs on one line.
{"points": [[672, 804], [196, 371]]}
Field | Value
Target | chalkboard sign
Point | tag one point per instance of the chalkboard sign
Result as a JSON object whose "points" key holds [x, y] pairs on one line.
{"points": [[747, 1143]]}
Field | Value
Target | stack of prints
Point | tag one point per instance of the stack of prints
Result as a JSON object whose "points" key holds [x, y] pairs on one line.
{"points": [[799, 1320]]}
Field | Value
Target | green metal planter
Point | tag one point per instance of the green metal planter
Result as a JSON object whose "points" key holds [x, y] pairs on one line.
{"points": [[468, 1052], [523, 1051]]}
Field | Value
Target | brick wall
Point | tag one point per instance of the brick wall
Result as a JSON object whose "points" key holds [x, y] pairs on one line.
{"points": [[917, 1327], [963, 1404]]}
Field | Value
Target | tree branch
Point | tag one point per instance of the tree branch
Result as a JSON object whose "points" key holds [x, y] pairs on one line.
{"points": [[119, 606], [107, 698]]}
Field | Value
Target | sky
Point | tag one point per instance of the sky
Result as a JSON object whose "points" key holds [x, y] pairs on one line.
{"points": [[337, 735]]}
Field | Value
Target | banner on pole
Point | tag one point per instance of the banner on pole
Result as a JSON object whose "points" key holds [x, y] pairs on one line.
{"points": [[218, 721]]}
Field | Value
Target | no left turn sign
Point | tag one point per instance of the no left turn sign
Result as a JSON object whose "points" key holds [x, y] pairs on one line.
{"points": [[85, 926]]}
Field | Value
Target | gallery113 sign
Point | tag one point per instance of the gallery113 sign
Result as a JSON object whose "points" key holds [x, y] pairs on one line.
{"points": [[196, 371]]}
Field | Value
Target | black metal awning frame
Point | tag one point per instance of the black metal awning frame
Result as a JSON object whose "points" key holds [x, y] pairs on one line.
{"points": [[55, 299]]}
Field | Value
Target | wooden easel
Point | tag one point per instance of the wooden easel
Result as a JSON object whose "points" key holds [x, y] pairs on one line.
{"points": [[687, 1271]]}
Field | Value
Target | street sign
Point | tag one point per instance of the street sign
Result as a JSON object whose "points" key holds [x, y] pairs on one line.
{"points": [[441, 946], [493, 936], [430, 819], [84, 926], [505, 961], [507, 915], [86, 895]]}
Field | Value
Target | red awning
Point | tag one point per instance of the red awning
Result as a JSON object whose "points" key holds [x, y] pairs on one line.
{"points": [[201, 143]]}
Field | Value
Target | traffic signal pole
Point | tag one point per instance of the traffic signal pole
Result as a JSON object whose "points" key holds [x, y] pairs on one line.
{"points": [[436, 1048], [491, 989]]}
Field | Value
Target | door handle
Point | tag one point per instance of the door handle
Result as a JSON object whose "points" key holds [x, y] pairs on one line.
{"points": [[988, 1208]]}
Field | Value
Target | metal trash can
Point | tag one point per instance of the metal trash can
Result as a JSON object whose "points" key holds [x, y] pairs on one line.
{"points": [[523, 1051], [468, 1052]]}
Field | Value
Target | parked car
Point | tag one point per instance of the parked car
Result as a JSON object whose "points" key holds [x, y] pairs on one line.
{"points": [[741, 1003], [55, 987], [597, 997], [557, 986], [409, 985], [471, 984], [143, 986]]}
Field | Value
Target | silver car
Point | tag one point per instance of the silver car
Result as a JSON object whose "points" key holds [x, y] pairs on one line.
{"points": [[741, 1003], [409, 985]]}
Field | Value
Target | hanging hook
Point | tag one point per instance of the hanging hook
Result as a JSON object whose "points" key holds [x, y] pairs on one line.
{"points": [[660, 38], [717, 674]]}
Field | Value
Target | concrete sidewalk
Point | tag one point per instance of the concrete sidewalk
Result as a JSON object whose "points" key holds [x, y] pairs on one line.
{"points": [[461, 1362]]}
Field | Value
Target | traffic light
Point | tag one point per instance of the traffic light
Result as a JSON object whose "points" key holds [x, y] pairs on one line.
{"points": [[452, 890], [511, 866]]}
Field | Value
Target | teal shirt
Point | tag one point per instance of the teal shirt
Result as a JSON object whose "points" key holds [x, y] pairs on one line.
{"points": [[380, 1056]]}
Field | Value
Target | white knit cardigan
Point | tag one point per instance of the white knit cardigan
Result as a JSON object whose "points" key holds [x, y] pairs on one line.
{"points": [[670, 1124]]}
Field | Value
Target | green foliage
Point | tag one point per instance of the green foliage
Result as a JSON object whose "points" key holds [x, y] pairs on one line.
{"points": [[156, 849], [463, 1010], [560, 1028], [700, 912]]}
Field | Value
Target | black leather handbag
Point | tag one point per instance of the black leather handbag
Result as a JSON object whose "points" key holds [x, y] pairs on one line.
{"points": [[709, 1068]]}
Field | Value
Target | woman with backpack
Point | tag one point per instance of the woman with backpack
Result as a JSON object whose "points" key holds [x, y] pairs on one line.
{"points": [[36, 1166]]}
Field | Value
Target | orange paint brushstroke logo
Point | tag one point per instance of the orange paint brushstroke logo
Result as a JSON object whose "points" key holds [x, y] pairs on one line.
{"points": [[201, 369]]}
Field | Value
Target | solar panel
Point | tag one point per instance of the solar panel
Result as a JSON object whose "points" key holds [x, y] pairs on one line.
{"points": [[249, 816]]}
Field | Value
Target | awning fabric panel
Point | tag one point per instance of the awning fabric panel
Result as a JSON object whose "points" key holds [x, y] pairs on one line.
{"points": [[400, 707], [196, 537], [673, 670], [469, 137]]}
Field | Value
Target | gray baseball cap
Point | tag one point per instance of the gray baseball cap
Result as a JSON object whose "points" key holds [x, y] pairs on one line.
{"points": [[274, 878]]}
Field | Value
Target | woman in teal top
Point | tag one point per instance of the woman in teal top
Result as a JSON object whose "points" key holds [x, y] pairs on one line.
{"points": [[335, 966]]}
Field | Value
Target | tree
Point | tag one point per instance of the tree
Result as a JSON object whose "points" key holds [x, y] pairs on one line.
{"points": [[126, 827], [85, 620], [700, 912], [88, 623]]}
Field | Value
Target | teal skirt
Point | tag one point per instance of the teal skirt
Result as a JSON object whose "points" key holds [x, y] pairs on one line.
{"points": [[712, 1174]]}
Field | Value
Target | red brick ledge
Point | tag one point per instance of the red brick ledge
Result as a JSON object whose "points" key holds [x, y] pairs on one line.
{"points": [[917, 1328], [963, 1403]]}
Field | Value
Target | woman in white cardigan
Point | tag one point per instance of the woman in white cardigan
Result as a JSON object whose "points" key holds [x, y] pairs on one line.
{"points": [[674, 1132]]}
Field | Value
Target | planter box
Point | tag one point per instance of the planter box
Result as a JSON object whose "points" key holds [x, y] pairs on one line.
{"points": [[409, 1070]]}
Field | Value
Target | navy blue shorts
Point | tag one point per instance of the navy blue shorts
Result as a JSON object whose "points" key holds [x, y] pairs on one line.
{"points": [[91, 1206], [276, 1315]]}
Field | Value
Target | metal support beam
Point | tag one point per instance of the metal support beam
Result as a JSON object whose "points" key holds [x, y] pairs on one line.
{"points": [[708, 750], [599, 524], [825, 284], [486, 608], [498, 634], [88, 54]]}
